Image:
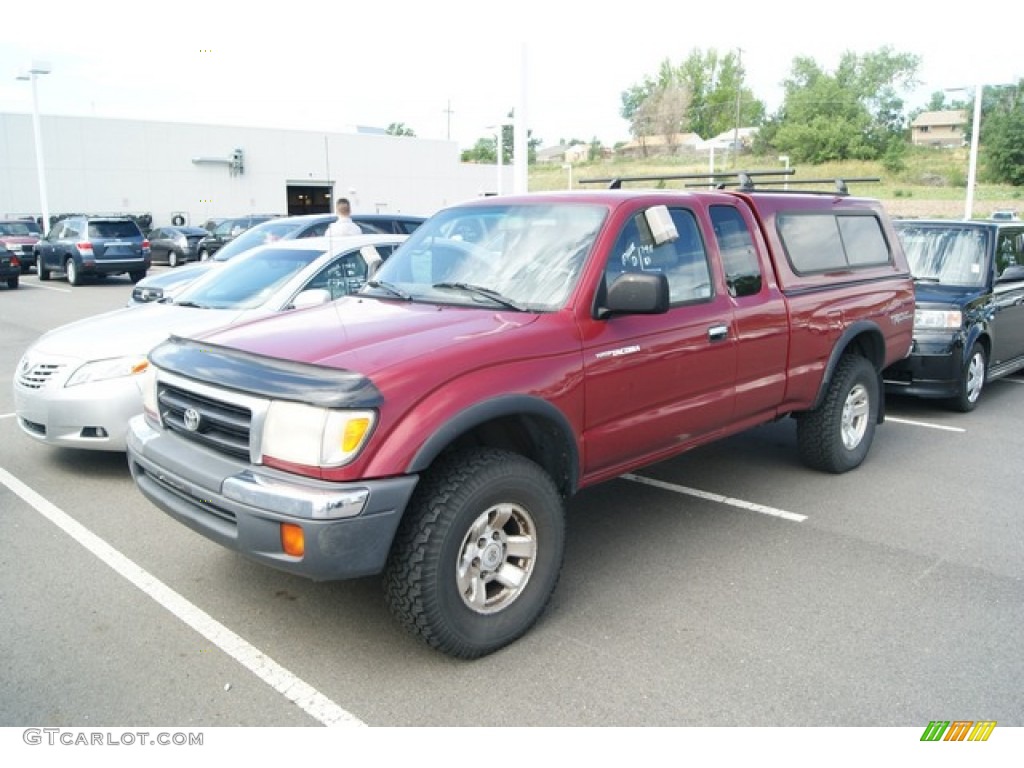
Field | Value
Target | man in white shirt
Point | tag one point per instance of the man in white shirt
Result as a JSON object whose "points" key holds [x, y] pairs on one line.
{"points": [[344, 225]]}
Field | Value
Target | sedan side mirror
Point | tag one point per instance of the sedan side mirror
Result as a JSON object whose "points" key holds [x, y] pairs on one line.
{"points": [[1011, 275], [314, 297]]}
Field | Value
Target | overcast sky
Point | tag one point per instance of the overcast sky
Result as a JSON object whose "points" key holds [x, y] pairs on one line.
{"points": [[450, 68]]}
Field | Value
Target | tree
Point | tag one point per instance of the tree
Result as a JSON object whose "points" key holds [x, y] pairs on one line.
{"points": [[855, 113], [400, 129], [1003, 135]]}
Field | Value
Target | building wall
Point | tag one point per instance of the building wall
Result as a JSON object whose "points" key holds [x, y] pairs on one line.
{"points": [[131, 166]]}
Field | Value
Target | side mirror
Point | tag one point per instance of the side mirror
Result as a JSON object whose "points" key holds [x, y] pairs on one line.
{"points": [[642, 293], [314, 297], [1011, 275]]}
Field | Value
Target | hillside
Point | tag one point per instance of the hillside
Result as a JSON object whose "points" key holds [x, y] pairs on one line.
{"points": [[932, 183]]}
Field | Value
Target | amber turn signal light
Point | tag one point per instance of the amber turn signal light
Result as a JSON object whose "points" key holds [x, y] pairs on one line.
{"points": [[293, 540]]}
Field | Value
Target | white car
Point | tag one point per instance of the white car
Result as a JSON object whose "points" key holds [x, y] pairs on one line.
{"points": [[77, 385]]}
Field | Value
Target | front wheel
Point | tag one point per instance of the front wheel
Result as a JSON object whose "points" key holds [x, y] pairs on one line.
{"points": [[478, 553], [835, 436], [972, 379]]}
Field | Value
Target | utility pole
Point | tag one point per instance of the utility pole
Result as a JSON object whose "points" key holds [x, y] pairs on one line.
{"points": [[448, 111], [736, 129]]}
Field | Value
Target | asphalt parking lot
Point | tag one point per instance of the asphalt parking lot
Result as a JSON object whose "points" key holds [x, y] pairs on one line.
{"points": [[727, 587]]}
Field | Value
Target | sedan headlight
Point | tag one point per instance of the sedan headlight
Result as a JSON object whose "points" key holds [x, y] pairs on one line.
{"points": [[312, 436], [938, 319], [114, 368]]}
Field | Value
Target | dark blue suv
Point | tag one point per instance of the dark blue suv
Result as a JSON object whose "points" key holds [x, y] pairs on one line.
{"points": [[80, 246], [969, 316]]}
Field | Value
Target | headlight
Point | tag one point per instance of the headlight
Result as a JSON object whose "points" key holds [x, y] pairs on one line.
{"points": [[101, 370], [938, 319], [146, 294], [314, 437], [147, 384]]}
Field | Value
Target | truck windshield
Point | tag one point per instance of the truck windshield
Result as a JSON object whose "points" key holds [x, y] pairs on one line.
{"points": [[524, 256], [950, 255]]}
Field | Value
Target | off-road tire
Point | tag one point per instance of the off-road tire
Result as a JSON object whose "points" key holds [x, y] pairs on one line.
{"points": [[443, 533], [835, 436], [972, 380]]}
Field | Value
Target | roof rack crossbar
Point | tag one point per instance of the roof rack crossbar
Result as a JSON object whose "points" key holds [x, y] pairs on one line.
{"points": [[744, 177], [840, 184]]}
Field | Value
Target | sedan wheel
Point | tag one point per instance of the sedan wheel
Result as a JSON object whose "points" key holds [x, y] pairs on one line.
{"points": [[172, 259]]}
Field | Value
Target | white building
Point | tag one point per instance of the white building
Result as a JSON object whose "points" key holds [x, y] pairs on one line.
{"points": [[196, 172]]}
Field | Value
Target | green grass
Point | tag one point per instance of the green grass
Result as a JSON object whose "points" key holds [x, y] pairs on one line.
{"points": [[933, 182]]}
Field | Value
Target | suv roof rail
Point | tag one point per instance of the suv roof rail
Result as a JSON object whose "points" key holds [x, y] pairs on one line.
{"points": [[744, 181]]}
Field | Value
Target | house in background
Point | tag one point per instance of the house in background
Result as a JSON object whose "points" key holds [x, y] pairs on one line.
{"points": [[659, 145], [944, 128]]}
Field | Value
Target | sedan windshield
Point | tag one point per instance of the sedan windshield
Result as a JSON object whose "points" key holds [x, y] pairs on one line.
{"points": [[247, 282], [950, 255], [525, 257], [261, 234]]}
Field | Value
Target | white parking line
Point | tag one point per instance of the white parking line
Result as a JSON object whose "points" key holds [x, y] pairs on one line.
{"points": [[739, 503], [46, 287], [269, 671], [7, 415], [1015, 381], [925, 424]]}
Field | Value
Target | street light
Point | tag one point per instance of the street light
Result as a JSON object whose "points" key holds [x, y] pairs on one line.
{"points": [[569, 167], [38, 68], [972, 163], [785, 160]]}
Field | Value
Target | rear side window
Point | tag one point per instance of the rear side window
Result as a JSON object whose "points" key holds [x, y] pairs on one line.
{"points": [[113, 229], [817, 242], [739, 257]]}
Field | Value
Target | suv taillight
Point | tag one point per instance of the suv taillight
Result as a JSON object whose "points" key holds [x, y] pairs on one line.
{"points": [[84, 248], [145, 245]]}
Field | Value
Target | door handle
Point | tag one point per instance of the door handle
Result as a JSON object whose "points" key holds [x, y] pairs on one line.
{"points": [[718, 333]]}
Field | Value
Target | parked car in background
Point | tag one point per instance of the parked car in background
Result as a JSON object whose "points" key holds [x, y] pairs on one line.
{"points": [[227, 231], [156, 287], [1004, 214], [10, 267], [175, 245], [20, 236], [969, 317], [81, 246], [77, 386]]}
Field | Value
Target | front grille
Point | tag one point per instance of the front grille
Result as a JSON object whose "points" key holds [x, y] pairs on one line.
{"points": [[220, 425], [36, 376]]}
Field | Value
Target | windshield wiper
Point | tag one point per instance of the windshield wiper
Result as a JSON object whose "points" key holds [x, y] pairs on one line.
{"points": [[394, 290], [487, 293], [927, 280], [188, 304]]}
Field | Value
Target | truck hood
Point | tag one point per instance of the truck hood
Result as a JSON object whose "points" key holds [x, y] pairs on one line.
{"points": [[129, 331], [371, 335]]}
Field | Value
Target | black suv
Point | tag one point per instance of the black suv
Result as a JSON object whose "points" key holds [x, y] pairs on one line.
{"points": [[969, 318], [227, 230], [93, 245]]}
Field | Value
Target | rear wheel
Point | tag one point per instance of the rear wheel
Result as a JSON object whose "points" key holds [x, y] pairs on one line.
{"points": [[12, 282], [204, 254], [71, 270], [41, 270], [478, 552], [137, 275], [835, 436], [173, 259], [972, 379]]}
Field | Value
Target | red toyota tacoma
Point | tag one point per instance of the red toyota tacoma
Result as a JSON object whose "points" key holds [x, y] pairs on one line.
{"points": [[513, 351]]}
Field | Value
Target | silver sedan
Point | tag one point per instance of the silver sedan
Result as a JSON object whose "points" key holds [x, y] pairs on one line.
{"points": [[77, 386]]}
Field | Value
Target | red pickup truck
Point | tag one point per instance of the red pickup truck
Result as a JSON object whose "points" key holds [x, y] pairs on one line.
{"points": [[513, 351]]}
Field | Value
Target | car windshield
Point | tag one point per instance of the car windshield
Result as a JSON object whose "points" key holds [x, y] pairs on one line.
{"points": [[247, 282], [258, 235], [950, 255], [17, 229], [523, 256]]}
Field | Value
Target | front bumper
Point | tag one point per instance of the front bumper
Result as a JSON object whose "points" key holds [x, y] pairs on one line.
{"points": [[91, 416], [933, 369], [348, 527]]}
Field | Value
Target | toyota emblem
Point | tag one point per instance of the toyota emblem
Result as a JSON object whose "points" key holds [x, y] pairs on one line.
{"points": [[191, 418]]}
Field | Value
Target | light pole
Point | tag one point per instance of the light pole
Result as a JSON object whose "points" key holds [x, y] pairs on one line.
{"points": [[38, 68], [785, 160], [568, 166], [499, 145]]}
